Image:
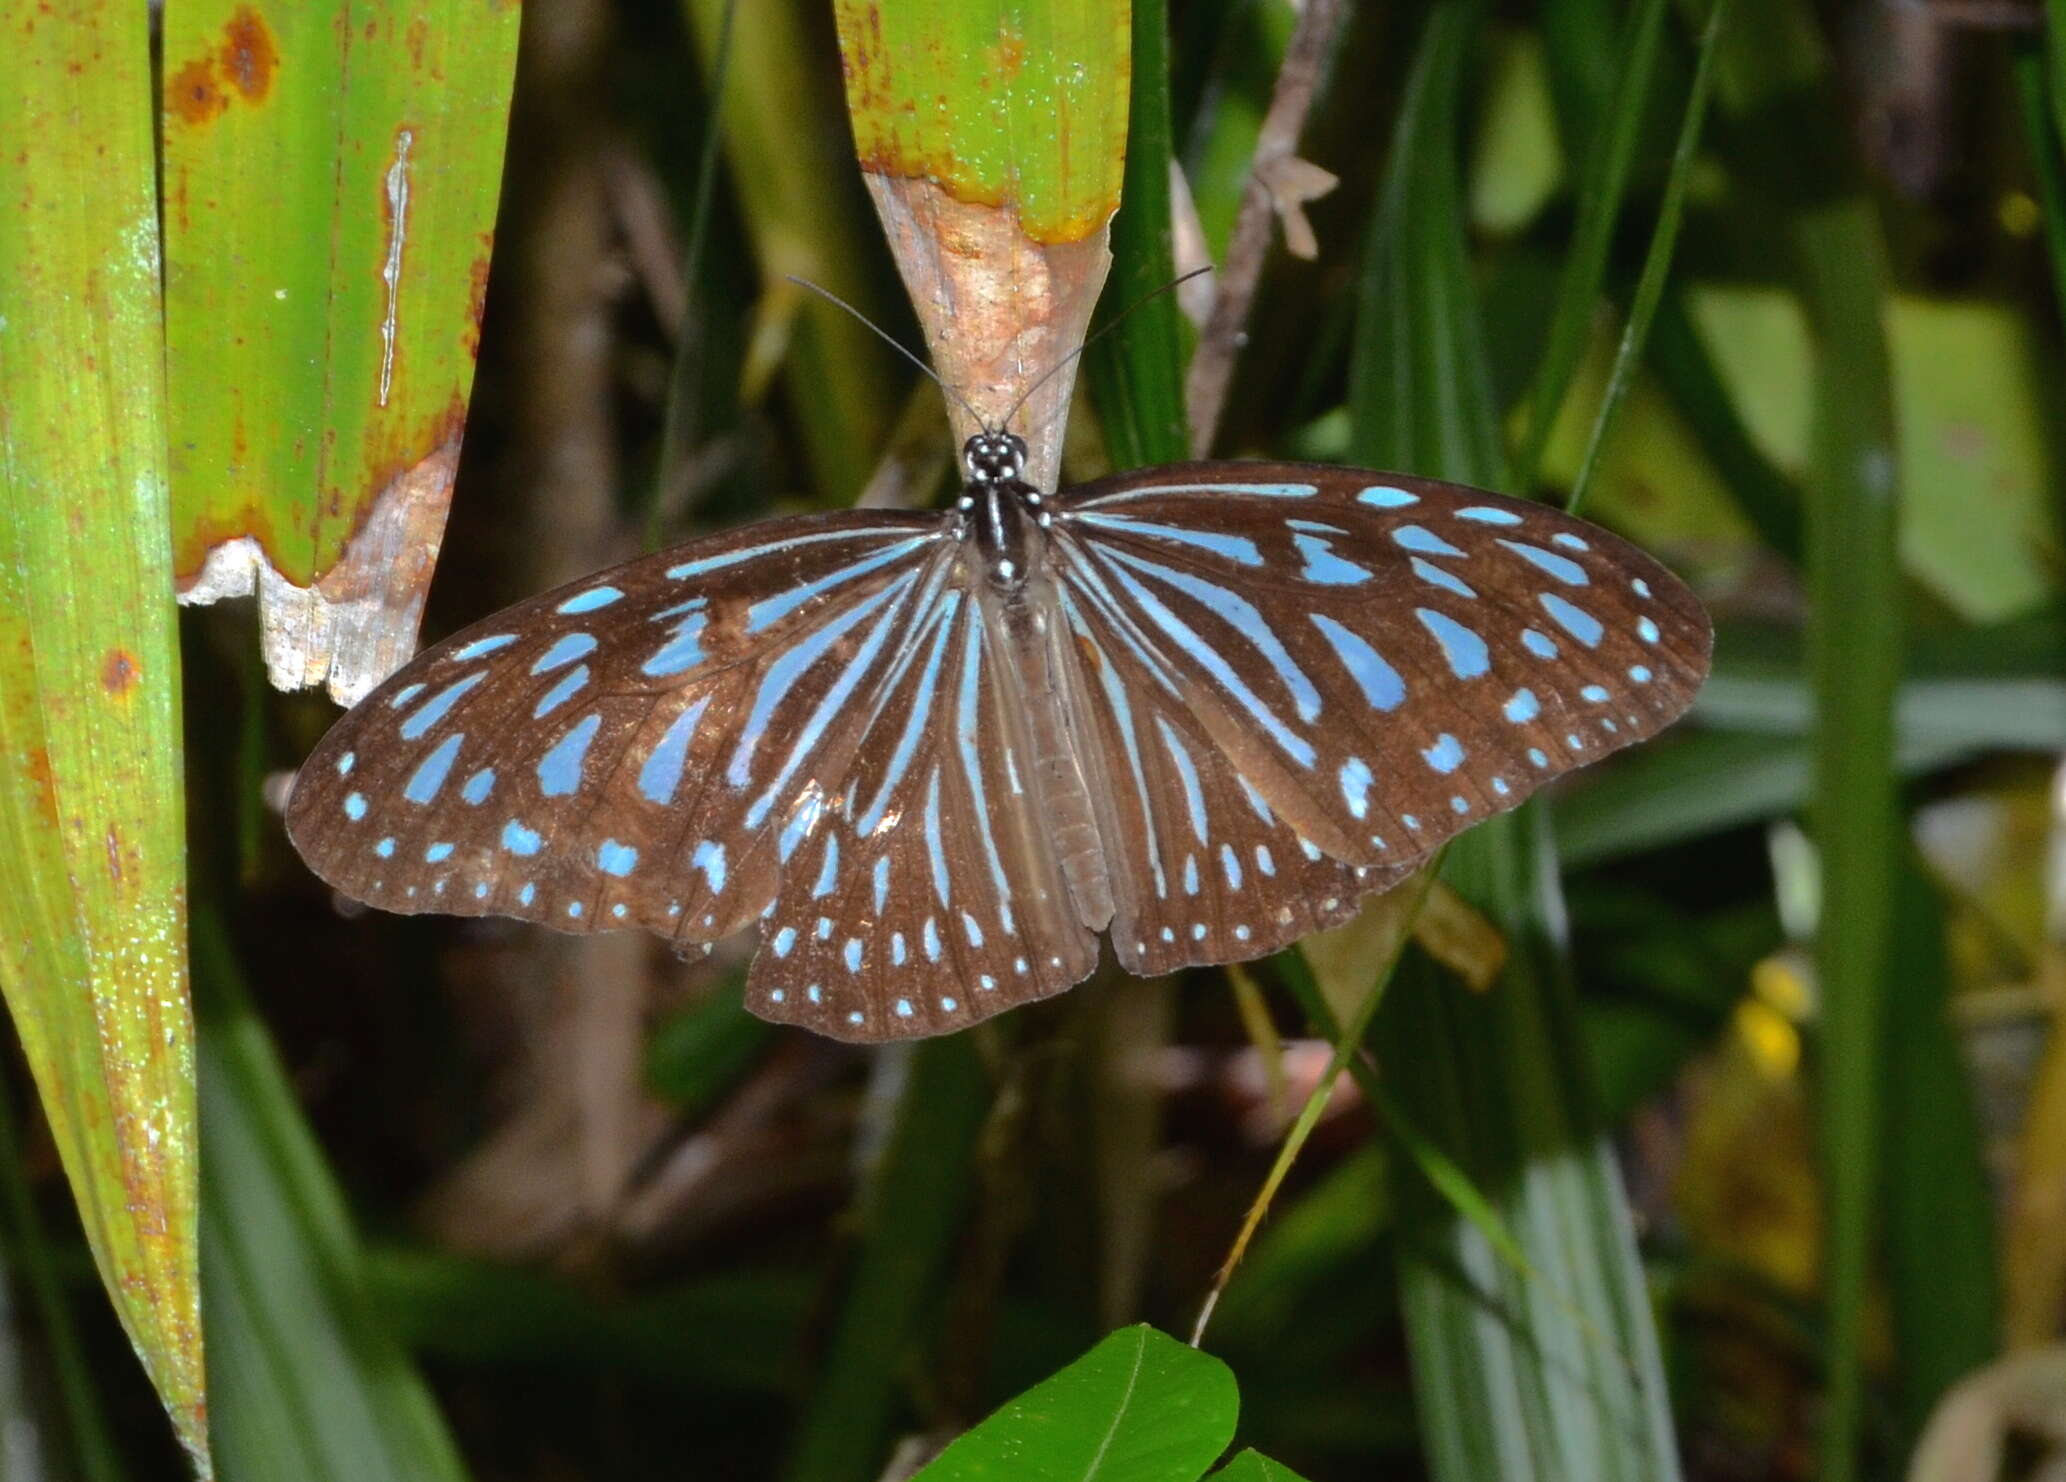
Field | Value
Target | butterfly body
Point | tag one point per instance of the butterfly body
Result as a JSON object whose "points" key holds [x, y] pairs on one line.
{"points": [[1203, 708]]}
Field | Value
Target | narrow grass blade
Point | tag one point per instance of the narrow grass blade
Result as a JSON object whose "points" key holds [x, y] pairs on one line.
{"points": [[1512, 1376], [1601, 191], [2037, 77], [92, 860], [1136, 373], [331, 177], [910, 1214], [1854, 632], [1656, 261], [311, 1384]]}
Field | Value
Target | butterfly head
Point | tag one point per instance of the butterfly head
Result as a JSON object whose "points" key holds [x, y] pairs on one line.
{"points": [[994, 458]]}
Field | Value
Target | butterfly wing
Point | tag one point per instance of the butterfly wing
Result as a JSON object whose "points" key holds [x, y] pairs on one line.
{"points": [[933, 897], [645, 747], [1384, 660]]}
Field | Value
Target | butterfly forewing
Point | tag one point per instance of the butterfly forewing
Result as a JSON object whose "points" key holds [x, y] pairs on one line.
{"points": [[644, 747], [931, 898], [1406, 657]]}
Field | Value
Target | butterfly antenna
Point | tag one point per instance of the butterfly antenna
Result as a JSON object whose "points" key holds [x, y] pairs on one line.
{"points": [[888, 339], [1104, 329]]}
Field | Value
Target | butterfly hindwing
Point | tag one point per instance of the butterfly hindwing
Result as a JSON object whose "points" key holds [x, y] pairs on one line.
{"points": [[643, 747], [931, 897], [1404, 656]]}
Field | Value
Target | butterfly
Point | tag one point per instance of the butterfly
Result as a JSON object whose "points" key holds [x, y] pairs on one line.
{"points": [[1202, 708]]}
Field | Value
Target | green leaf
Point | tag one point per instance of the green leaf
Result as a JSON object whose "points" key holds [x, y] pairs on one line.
{"points": [[331, 177], [1139, 1407], [310, 1381], [1253, 1466], [92, 858]]}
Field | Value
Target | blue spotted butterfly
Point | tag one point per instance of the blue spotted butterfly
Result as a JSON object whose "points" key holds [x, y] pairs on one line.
{"points": [[1203, 708]]}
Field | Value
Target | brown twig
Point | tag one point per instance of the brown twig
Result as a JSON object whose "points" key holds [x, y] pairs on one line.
{"points": [[1278, 184]]}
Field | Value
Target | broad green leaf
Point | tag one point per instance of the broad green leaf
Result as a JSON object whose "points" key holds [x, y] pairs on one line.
{"points": [[331, 177], [1139, 1407], [92, 862], [311, 1382], [1253, 1466], [1003, 102]]}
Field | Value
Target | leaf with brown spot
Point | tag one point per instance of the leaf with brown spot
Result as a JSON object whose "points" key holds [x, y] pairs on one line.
{"points": [[365, 258], [92, 858]]}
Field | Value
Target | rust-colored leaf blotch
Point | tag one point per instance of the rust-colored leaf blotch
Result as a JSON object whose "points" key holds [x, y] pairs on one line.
{"points": [[118, 673], [199, 92]]}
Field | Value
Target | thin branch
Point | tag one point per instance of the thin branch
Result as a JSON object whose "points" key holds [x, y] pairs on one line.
{"points": [[1274, 169]]}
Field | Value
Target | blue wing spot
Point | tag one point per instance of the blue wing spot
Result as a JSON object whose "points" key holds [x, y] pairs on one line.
{"points": [[1230, 865], [1574, 742], [1018, 964], [1446, 755], [975, 932], [479, 786], [1263, 861], [1595, 693], [1420, 538], [1537, 756], [898, 952], [1571, 542], [1387, 496], [437, 854], [949, 1005], [619, 910], [1573, 619], [1190, 874], [589, 600], [1640, 673], [681, 652], [710, 859], [1435, 576], [1485, 514], [430, 776], [1610, 726], [404, 695], [480, 891], [903, 1008], [784, 940], [1355, 785], [1241, 933], [1640, 587], [385, 848], [1461, 646], [433, 710], [1235, 548], [571, 646], [574, 908], [1324, 568], [559, 694], [518, 839], [769, 610], [528, 894], [932, 940], [613, 858], [559, 770], [354, 806], [881, 882], [1499, 786], [777, 995], [480, 648], [814, 993], [1646, 630], [824, 928], [1522, 707], [828, 869], [661, 774], [1197, 931], [852, 954], [1563, 568], [346, 762], [1378, 680], [1460, 804], [1410, 821], [1542, 646], [854, 1016]]}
